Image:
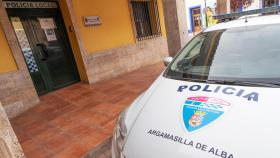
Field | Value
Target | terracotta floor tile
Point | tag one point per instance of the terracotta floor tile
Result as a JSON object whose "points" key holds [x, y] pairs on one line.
{"points": [[48, 98], [102, 134], [91, 105], [29, 145], [48, 134], [74, 150], [39, 152], [98, 119], [24, 120], [74, 120], [59, 104], [121, 96], [90, 140], [22, 136], [108, 109], [66, 120], [79, 116], [58, 143], [59, 112], [99, 107], [60, 121], [81, 101], [76, 129], [95, 95], [42, 109], [36, 128], [109, 127], [68, 92]]}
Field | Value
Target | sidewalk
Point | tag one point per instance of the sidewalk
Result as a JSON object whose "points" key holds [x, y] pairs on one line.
{"points": [[73, 121]]}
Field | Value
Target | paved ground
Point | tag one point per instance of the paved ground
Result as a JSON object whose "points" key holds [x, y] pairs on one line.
{"points": [[75, 120]]}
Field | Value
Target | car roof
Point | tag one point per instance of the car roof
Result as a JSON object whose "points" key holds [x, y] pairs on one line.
{"points": [[251, 21]]}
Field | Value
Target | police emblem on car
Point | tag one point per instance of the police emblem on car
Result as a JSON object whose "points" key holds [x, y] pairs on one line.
{"points": [[200, 111]]}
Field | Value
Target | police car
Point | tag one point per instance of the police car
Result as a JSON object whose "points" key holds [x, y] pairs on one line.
{"points": [[218, 98]]}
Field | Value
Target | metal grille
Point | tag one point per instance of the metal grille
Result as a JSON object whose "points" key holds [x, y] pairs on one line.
{"points": [[146, 19]]}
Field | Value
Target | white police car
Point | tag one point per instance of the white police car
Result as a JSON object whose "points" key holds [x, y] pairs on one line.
{"points": [[218, 98]]}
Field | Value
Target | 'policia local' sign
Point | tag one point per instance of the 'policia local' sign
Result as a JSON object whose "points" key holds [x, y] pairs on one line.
{"points": [[24, 4]]}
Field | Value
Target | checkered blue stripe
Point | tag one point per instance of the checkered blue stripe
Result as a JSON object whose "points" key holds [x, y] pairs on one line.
{"points": [[31, 63], [201, 104], [27, 52]]}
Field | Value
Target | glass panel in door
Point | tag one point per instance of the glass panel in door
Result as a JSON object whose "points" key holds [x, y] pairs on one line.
{"points": [[57, 57]]}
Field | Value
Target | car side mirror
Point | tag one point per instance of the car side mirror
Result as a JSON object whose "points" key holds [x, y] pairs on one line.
{"points": [[167, 60]]}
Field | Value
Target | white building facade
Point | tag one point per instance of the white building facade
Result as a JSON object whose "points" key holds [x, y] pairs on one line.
{"points": [[196, 13], [256, 4]]}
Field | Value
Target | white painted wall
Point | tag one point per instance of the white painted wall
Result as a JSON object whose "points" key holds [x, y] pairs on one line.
{"points": [[257, 4]]}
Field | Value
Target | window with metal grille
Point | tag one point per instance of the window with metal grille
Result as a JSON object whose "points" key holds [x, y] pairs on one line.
{"points": [[146, 18]]}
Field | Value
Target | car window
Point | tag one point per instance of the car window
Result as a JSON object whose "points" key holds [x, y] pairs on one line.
{"points": [[245, 53]]}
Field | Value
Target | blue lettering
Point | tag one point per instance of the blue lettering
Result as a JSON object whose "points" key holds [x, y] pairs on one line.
{"points": [[240, 92], [195, 87], [205, 89], [254, 96], [181, 88], [217, 89], [226, 90]]}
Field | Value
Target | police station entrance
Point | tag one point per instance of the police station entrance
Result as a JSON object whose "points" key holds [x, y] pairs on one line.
{"points": [[42, 36]]}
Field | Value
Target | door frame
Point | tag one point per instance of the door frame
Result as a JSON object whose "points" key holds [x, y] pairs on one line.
{"points": [[191, 16], [30, 12]]}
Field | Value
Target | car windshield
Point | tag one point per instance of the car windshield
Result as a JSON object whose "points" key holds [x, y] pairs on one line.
{"points": [[250, 54]]}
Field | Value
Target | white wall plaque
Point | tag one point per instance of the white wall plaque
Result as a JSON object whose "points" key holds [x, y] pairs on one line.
{"points": [[47, 23], [50, 33], [92, 21]]}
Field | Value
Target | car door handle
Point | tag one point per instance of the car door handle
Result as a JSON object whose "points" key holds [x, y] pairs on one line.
{"points": [[44, 49]]}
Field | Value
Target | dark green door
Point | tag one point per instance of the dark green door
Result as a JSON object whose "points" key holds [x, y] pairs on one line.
{"points": [[46, 48]]}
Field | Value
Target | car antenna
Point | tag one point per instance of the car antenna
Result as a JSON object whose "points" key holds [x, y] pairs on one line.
{"points": [[246, 19]]}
